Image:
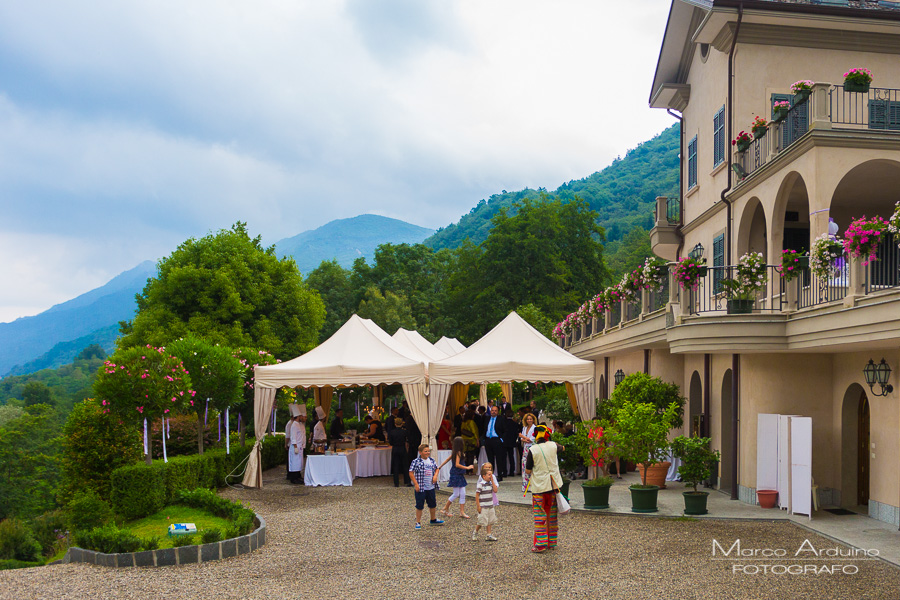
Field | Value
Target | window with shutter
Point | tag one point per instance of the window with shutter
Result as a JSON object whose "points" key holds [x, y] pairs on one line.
{"points": [[719, 137], [884, 114], [718, 261], [797, 121], [692, 163]]}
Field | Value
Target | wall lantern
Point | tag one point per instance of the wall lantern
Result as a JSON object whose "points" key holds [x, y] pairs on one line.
{"points": [[619, 376], [696, 251], [880, 374]]}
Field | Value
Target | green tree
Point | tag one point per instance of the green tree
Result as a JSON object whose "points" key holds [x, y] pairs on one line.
{"points": [[93, 446], [333, 284], [92, 351], [642, 388], [29, 465], [390, 311], [229, 290], [537, 319], [143, 383], [249, 359], [630, 253], [36, 392], [216, 376]]}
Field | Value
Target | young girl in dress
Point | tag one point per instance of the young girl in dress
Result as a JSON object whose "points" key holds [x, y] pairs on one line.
{"points": [[458, 470]]}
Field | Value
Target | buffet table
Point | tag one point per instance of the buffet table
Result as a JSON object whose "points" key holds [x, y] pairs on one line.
{"points": [[335, 469], [373, 462]]}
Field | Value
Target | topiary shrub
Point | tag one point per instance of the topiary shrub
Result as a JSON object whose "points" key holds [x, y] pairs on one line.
{"points": [[138, 490], [183, 540], [181, 473], [50, 531], [17, 541], [211, 536], [151, 542], [87, 510], [108, 539]]}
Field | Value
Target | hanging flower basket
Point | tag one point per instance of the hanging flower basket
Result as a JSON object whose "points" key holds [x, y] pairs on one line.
{"points": [[792, 262], [823, 257], [894, 222], [802, 90], [689, 270], [863, 236], [655, 273], [857, 80]]}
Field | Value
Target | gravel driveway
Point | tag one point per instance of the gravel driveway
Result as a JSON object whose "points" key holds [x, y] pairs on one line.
{"points": [[359, 542]]}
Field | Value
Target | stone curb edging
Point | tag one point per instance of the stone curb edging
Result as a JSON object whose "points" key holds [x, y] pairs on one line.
{"points": [[166, 557]]}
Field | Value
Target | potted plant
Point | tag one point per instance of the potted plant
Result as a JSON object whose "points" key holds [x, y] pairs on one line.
{"points": [[823, 258], [568, 459], [792, 262], [894, 222], [632, 284], [591, 441], [780, 110], [759, 127], [801, 90], [641, 436], [863, 236], [689, 270], [749, 279], [655, 272], [857, 80], [696, 461], [742, 141]]}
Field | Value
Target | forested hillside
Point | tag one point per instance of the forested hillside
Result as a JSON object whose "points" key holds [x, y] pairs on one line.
{"points": [[622, 194]]}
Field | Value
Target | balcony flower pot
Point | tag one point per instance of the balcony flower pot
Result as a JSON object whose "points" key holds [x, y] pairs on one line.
{"points": [[760, 132], [644, 498], [779, 114], [742, 145], [740, 306], [767, 498], [862, 88], [802, 96], [857, 80], [656, 473], [596, 496], [695, 502]]}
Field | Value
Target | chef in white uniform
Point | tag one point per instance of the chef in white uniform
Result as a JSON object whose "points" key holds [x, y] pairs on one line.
{"points": [[319, 437], [298, 442]]}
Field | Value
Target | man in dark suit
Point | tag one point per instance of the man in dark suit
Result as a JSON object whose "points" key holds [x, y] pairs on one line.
{"points": [[494, 430]]}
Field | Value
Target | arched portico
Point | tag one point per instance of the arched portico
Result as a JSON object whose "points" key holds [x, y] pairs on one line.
{"points": [[752, 231], [868, 189], [790, 218], [855, 425]]}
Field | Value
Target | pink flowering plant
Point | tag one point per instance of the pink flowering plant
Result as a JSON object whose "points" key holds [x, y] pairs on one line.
{"points": [[782, 105], [749, 279], [790, 264], [862, 237], [598, 305], [858, 76], [143, 382], [759, 126], [688, 271], [823, 257], [742, 138], [632, 284], [894, 221], [804, 85]]}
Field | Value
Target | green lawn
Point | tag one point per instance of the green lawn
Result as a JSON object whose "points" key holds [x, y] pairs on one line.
{"points": [[158, 523]]}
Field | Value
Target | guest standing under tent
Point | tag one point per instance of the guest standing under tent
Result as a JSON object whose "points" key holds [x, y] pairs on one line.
{"points": [[543, 467]]}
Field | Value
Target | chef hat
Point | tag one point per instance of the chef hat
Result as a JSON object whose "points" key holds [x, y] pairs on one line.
{"points": [[320, 412], [297, 410]]}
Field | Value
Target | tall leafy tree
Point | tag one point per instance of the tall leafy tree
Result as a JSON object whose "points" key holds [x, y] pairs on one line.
{"points": [[216, 377], [332, 282], [389, 310], [36, 392], [29, 462], [229, 290]]}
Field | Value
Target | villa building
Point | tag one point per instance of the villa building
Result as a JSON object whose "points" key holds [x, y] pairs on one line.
{"points": [[834, 157]]}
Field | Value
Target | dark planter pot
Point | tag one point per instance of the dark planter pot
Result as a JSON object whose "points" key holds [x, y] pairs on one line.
{"points": [[779, 114], [760, 132], [643, 500], [596, 496], [737, 306], [802, 96], [803, 262], [767, 498], [702, 271], [564, 488], [743, 145], [862, 88], [695, 503]]}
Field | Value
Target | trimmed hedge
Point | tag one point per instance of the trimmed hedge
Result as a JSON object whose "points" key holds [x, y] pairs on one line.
{"points": [[139, 490], [241, 518], [108, 539]]}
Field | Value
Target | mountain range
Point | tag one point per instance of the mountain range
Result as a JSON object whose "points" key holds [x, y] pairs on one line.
{"points": [[622, 194]]}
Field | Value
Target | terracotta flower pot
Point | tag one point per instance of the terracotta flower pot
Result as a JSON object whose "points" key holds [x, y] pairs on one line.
{"points": [[767, 498], [656, 473]]}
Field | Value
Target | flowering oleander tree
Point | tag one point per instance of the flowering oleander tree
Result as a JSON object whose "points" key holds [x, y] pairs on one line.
{"points": [[143, 383], [216, 375], [862, 237]]}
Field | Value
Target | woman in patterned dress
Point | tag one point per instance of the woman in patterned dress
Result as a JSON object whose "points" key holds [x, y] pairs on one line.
{"points": [[527, 439]]}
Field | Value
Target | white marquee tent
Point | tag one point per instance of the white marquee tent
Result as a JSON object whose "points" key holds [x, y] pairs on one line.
{"points": [[414, 340], [514, 351], [449, 346], [359, 353]]}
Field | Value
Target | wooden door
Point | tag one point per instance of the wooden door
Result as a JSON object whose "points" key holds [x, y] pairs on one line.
{"points": [[863, 452]]}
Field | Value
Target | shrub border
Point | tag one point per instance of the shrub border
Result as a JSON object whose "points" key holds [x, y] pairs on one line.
{"points": [[185, 555]]}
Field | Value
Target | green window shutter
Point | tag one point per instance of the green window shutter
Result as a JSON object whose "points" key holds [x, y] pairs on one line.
{"points": [[692, 163], [797, 122], [884, 114], [718, 261], [719, 137]]}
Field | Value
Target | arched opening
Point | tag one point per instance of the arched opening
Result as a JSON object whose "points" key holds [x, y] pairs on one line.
{"points": [[868, 189], [725, 475], [790, 221], [855, 453], [695, 404], [752, 234], [603, 391]]}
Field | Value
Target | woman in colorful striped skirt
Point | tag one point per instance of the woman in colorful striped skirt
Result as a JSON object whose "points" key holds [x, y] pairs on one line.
{"points": [[543, 468]]}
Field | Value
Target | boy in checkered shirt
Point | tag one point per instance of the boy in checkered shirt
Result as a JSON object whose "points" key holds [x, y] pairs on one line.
{"points": [[424, 475]]}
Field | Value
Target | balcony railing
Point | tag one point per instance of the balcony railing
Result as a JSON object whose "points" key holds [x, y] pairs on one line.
{"points": [[815, 290], [659, 298], [673, 211], [633, 310], [709, 295], [878, 109], [884, 272], [615, 314]]}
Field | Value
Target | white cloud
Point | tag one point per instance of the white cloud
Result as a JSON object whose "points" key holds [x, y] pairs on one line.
{"points": [[137, 125]]}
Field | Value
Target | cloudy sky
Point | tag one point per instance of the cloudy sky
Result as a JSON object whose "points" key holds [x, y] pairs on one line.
{"points": [[128, 127]]}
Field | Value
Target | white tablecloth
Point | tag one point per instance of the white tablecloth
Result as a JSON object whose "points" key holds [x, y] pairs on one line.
{"points": [[441, 456], [337, 469], [373, 462]]}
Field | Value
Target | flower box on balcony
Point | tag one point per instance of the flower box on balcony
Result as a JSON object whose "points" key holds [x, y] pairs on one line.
{"points": [[857, 80], [740, 306]]}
